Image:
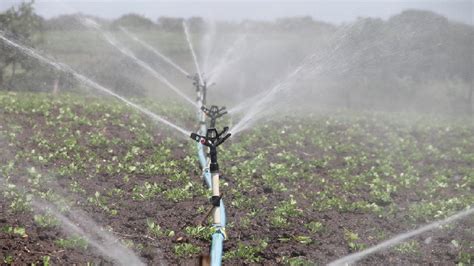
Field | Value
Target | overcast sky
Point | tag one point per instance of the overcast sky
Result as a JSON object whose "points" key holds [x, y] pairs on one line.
{"points": [[329, 11]]}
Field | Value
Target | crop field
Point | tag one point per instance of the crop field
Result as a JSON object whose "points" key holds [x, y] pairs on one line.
{"points": [[347, 133], [299, 190]]}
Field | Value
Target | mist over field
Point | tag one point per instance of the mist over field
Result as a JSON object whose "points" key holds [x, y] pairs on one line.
{"points": [[413, 61], [347, 134]]}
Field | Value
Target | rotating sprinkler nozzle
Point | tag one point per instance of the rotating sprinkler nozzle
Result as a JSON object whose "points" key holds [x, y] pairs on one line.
{"points": [[213, 113], [212, 140]]}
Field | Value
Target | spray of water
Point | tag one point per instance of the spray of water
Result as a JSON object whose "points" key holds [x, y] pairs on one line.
{"points": [[154, 51], [260, 104], [332, 60], [207, 44], [227, 59], [241, 107], [315, 64], [105, 243], [191, 48], [112, 41], [88, 82], [400, 238]]}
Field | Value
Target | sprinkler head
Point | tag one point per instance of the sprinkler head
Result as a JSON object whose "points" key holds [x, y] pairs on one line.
{"points": [[197, 82], [213, 138], [213, 113], [201, 86]]}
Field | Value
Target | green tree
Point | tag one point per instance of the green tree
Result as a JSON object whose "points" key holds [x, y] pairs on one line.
{"points": [[133, 21], [171, 24], [22, 24]]}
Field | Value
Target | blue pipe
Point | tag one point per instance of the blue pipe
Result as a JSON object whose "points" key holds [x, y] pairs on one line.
{"points": [[203, 162], [202, 157], [207, 177], [223, 218], [216, 248]]}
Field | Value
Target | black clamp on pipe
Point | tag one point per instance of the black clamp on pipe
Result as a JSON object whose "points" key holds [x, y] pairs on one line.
{"points": [[213, 113], [216, 201]]}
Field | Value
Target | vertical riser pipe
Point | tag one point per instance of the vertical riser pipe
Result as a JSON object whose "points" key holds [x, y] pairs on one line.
{"points": [[215, 192]]}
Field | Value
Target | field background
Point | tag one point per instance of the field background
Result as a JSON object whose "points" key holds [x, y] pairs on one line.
{"points": [[378, 143]]}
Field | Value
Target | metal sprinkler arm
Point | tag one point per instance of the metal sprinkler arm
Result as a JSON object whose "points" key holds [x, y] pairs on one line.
{"points": [[213, 138]]}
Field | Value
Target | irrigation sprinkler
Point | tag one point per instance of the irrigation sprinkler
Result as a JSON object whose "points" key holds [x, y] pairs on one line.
{"points": [[201, 88], [213, 113], [212, 140]]}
